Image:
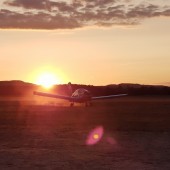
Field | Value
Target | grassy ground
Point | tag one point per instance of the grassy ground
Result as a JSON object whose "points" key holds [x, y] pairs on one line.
{"points": [[136, 134]]}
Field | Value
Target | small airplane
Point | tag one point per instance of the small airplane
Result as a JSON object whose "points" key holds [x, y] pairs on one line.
{"points": [[79, 96]]}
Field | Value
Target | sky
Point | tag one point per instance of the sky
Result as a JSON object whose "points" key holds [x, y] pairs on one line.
{"points": [[96, 42]]}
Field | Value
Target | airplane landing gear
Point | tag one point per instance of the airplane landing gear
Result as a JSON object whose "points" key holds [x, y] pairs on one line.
{"points": [[88, 104]]}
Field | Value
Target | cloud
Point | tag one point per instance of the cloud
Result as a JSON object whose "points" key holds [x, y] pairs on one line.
{"points": [[40, 20], [36, 4], [48, 14]]}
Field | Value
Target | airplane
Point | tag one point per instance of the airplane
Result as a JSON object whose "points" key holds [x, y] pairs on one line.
{"points": [[80, 95]]}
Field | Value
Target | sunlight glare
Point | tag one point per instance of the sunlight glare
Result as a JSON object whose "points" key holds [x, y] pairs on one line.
{"points": [[47, 80]]}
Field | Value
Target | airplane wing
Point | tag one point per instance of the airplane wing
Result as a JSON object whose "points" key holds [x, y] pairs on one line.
{"points": [[52, 95], [108, 97]]}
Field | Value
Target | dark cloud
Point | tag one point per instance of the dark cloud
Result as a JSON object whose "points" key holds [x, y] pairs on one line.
{"points": [[40, 20], [144, 11], [48, 14], [29, 4]]}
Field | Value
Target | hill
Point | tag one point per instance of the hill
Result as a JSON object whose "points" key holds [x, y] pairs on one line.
{"points": [[20, 88]]}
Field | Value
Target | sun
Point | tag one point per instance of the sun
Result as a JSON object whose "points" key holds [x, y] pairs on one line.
{"points": [[47, 80]]}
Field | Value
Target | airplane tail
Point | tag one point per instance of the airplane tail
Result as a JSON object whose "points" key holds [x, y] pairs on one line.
{"points": [[70, 88]]}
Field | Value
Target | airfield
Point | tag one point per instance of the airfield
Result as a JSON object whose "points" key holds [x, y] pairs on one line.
{"points": [[41, 134]]}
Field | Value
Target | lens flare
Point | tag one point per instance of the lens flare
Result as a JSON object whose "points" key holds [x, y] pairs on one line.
{"points": [[95, 136]]}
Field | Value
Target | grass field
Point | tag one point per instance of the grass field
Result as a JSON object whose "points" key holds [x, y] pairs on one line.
{"points": [[52, 136]]}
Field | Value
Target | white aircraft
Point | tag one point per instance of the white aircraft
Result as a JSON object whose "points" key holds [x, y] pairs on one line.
{"points": [[79, 96]]}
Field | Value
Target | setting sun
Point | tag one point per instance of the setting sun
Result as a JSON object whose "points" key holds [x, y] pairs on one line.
{"points": [[47, 80]]}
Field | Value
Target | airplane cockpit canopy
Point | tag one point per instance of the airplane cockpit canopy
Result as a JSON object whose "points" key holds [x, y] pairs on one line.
{"points": [[81, 93]]}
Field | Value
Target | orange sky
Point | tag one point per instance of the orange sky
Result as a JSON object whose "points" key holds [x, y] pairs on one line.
{"points": [[127, 44]]}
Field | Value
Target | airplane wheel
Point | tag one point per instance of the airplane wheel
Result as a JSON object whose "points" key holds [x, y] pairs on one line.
{"points": [[88, 104]]}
